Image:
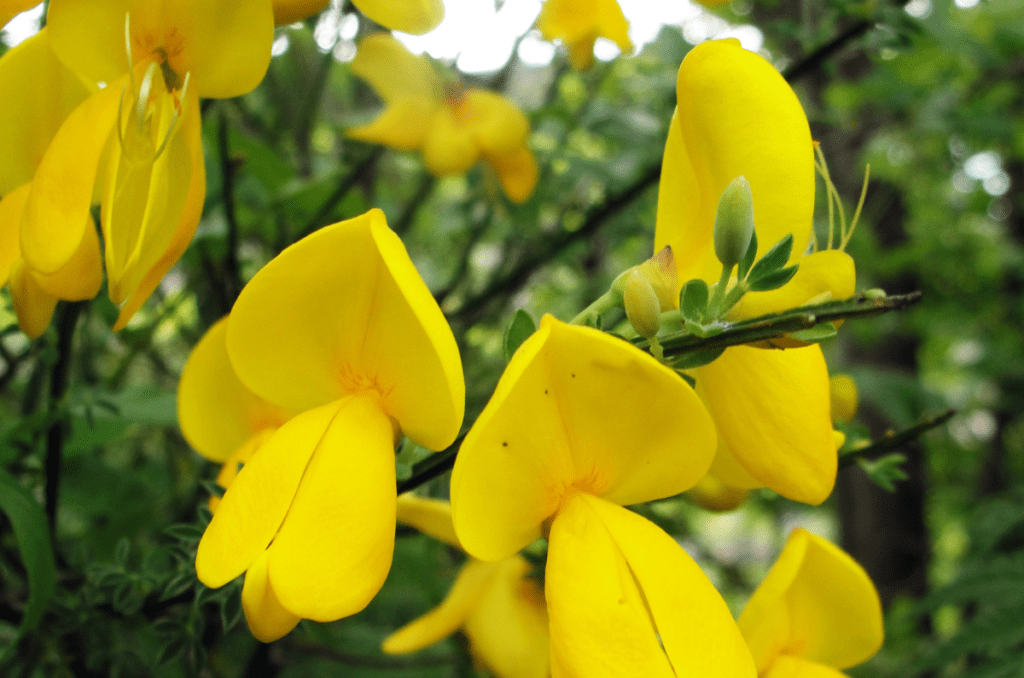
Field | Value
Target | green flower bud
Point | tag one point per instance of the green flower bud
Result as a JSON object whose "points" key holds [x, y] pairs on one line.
{"points": [[642, 306], [734, 222], [660, 271]]}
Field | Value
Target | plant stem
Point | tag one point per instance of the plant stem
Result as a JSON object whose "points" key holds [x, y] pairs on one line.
{"points": [[67, 319]]}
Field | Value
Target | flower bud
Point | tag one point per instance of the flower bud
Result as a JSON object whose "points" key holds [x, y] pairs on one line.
{"points": [[641, 302], [734, 222], [844, 397], [660, 272]]}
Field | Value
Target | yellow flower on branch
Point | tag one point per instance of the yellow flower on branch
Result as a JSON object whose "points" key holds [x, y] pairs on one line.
{"points": [[816, 612], [579, 23], [499, 608], [581, 424], [453, 126], [736, 117], [47, 93], [341, 328], [157, 59]]}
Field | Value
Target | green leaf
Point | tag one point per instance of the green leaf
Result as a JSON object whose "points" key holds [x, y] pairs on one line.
{"points": [[33, 536], [819, 332], [770, 281], [693, 302], [121, 552], [696, 358], [885, 471], [519, 328], [774, 259], [185, 532], [748, 259], [212, 488], [178, 585], [230, 611]]}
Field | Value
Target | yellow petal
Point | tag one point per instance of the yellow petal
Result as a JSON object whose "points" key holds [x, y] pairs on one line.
{"points": [[216, 412], [142, 286], [267, 620], [517, 172], [290, 11], [828, 272], [575, 408], [58, 204], [224, 44], [82, 276], [32, 304], [12, 205], [429, 516], [496, 124], [795, 667], [47, 92], [404, 124], [772, 410], [694, 625], [843, 391], [408, 16], [335, 546], [449, 148], [508, 628], [253, 508], [344, 310], [10, 8], [736, 116], [233, 464], [393, 71], [599, 625], [445, 619], [714, 495], [817, 603]]}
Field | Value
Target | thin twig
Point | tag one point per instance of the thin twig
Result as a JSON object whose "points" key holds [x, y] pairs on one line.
{"points": [[344, 186], [432, 466], [232, 283], [894, 441], [67, 318], [405, 219], [462, 268]]}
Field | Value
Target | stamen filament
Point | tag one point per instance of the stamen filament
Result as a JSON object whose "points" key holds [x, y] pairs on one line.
{"points": [[860, 206]]}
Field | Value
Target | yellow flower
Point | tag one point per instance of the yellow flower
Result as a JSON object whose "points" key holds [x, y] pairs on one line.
{"points": [[453, 126], [46, 93], [815, 612], [578, 23], [156, 59], [580, 424], [9, 8], [341, 328], [408, 16], [737, 117], [243, 420], [496, 605]]}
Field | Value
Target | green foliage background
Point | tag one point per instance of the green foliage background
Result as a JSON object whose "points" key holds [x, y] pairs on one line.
{"points": [[917, 92]]}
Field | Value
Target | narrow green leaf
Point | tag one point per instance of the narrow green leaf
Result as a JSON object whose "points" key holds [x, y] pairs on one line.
{"points": [[212, 488], [121, 551], [696, 359], [33, 536], [518, 329], [185, 532], [748, 259], [772, 280], [819, 332], [230, 611], [774, 259], [178, 585], [693, 302]]}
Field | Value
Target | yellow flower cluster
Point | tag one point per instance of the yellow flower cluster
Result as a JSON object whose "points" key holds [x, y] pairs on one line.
{"points": [[336, 350]]}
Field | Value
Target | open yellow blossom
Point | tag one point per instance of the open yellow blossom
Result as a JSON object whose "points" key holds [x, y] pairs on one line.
{"points": [[244, 421], [453, 126], [341, 328], [157, 59], [816, 612], [496, 605], [47, 93], [737, 116], [580, 424], [578, 23]]}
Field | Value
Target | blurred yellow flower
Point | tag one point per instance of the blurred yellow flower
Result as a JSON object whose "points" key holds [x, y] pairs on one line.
{"points": [[580, 424], [579, 23], [815, 612], [736, 117], [156, 59], [311, 517], [408, 16], [453, 126], [499, 608], [290, 11], [47, 92]]}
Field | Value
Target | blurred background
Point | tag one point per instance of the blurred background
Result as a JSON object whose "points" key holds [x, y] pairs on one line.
{"points": [[928, 92]]}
